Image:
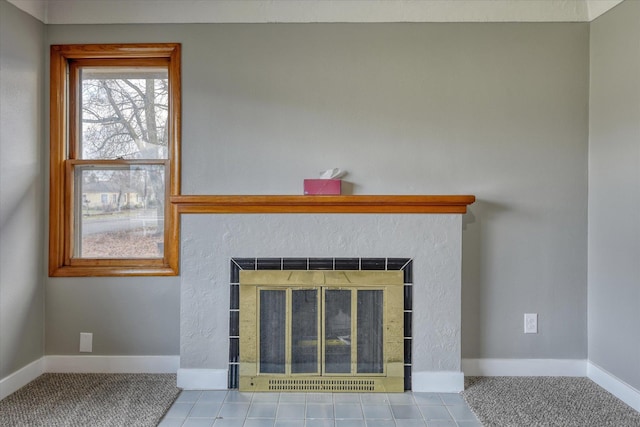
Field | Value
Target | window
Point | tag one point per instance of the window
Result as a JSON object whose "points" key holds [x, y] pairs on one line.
{"points": [[115, 151]]}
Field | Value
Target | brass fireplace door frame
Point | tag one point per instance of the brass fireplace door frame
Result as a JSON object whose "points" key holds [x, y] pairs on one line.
{"points": [[392, 285]]}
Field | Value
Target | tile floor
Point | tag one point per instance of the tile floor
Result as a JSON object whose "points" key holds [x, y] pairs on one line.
{"points": [[222, 408]]}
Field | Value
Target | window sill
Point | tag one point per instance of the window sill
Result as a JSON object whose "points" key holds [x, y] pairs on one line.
{"points": [[73, 271]]}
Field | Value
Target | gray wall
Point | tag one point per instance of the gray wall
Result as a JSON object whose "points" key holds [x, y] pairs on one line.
{"points": [[135, 316], [495, 110], [21, 196], [614, 193], [131, 316]]}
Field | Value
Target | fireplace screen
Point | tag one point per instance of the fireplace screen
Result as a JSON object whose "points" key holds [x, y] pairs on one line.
{"points": [[321, 331]]}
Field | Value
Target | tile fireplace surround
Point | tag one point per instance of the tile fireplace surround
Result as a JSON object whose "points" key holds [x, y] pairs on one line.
{"points": [[210, 240]]}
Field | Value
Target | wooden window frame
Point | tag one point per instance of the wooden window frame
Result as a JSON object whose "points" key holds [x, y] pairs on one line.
{"points": [[63, 158]]}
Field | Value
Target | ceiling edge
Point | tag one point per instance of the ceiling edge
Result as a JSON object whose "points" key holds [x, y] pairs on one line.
{"points": [[296, 11], [35, 8], [595, 8]]}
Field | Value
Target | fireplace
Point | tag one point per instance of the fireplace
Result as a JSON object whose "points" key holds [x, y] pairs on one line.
{"points": [[335, 331], [209, 357]]}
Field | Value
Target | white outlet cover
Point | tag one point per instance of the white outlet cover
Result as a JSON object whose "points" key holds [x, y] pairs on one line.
{"points": [[531, 323], [86, 342]]}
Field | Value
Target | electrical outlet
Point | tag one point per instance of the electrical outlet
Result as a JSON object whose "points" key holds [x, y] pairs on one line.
{"points": [[86, 342], [531, 323]]}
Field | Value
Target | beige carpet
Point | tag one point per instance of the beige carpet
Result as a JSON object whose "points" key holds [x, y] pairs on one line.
{"points": [[545, 402], [96, 400]]}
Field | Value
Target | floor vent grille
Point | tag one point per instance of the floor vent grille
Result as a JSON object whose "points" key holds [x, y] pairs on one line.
{"points": [[322, 385]]}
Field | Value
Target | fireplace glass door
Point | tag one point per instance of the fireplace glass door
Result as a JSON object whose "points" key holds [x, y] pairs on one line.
{"points": [[304, 331], [309, 334], [365, 356], [289, 330]]}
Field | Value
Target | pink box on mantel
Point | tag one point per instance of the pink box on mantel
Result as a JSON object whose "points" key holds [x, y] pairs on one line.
{"points": [[322, 186]]}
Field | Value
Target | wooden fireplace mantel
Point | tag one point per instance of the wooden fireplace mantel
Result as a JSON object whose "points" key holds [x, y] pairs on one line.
{"points": [[239, 204]]}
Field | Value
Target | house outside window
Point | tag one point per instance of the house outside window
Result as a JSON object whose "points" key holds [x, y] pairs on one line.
{"points": [[115, 138]]}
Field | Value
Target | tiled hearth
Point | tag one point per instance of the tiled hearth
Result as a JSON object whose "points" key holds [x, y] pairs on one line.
{"points": [[231, 408], [309, 264]]}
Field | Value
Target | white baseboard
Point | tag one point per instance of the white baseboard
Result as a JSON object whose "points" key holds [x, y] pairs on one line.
{"points": [[202, 379], [216, 379], [554, 368], [21, 377], [437, 382], [614, 385], [525, 367], [88, 364], [112, 364]]}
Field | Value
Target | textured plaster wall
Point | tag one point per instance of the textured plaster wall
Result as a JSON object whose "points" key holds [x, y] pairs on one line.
{"points": [[614, 193], [210, 241], [21, 196]]}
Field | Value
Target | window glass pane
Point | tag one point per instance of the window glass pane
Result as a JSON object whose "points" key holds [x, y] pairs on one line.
{"points": [[370, 344], [124, 112], [337, 331], [119, 211], [304, 331], [272, 331]]}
